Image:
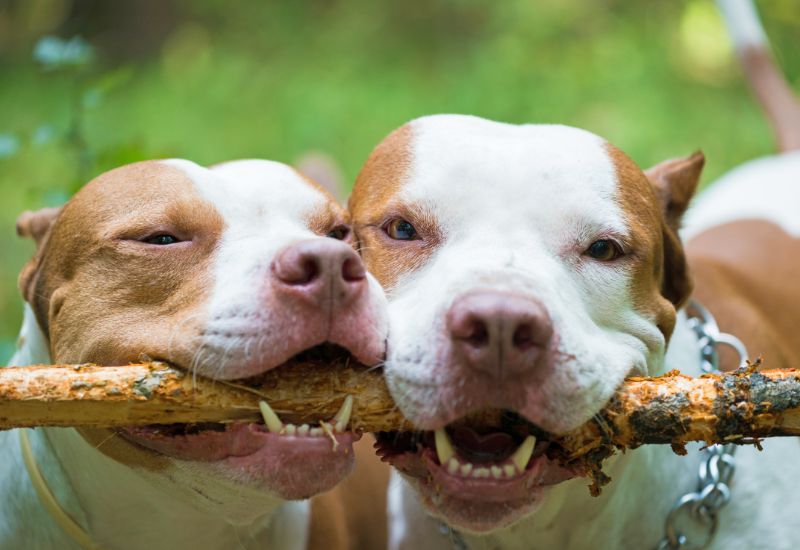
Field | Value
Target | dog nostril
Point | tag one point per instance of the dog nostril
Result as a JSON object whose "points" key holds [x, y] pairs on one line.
{"points": [[353, 270], [310, 271], [478, 334], [523, 339]]}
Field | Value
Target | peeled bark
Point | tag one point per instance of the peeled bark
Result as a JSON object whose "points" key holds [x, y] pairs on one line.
{"points": [[671, 409]]}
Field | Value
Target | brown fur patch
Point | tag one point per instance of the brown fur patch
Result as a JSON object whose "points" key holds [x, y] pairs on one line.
{"points": [[660, 267], [746, 274], [102, 297], [374, 202]]}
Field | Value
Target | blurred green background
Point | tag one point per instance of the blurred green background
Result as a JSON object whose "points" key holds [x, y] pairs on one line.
{"points": [[89, 85]]}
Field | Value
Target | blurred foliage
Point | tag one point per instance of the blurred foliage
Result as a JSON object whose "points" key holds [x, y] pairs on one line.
{"points": [[89, 85]]}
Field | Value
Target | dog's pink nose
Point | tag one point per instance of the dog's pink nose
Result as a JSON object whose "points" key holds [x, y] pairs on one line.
{"points": [[319, 270], [500, 334]]}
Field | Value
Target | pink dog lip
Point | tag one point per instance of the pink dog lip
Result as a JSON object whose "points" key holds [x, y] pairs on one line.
{"points": [[294, 467], [480, 485]]}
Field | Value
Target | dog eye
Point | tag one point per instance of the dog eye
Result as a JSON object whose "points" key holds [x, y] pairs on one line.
{"points": [[401, 230], [339, 232], [604, 250], [162, 239]]}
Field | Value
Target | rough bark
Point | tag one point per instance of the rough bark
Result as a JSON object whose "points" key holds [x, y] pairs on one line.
{"points": [[671, 409]]}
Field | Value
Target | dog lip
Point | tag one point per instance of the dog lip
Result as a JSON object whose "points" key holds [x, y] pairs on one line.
{"points": [[236, 440]]}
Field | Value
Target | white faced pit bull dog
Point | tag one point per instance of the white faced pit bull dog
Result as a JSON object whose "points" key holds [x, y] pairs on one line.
{"points": [[531, 269], [226, 272]]}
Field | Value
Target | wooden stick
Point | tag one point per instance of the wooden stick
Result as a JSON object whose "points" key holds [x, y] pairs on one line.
{"points": [[155, 393], [670, 409]]}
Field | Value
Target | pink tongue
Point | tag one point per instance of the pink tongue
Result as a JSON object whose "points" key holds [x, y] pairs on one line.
{"points": [[492, 446]]}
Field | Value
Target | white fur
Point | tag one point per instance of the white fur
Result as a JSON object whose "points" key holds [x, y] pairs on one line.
{"points": [[509, 213]]}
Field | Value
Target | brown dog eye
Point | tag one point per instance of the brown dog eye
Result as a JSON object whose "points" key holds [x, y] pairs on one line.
{"points": [[339, 232], [401, 230], [604, 250], [162, 240]]}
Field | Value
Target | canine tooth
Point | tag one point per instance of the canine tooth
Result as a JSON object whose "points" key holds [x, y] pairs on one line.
{"points": [[453, 465], [303, 429], [342, 417], [480, 473], [290, 429], [497, 472], [271, 419], [522, 455], [316, 432], [466, 469], [444, 449], [509, 470]]}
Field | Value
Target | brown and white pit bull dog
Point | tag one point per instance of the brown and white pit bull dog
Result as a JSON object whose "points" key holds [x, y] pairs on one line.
{"points": [[531, 269], [226, 272]]}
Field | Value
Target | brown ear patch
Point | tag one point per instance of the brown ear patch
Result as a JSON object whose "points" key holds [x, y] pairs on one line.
{"points": [[654, 202], [35, 224], [675, 182]]}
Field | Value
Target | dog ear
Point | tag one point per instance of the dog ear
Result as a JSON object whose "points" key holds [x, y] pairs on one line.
{"points": [[34, 225], [675, 182]]}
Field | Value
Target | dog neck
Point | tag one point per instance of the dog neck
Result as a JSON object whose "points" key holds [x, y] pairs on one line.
{"points": [[135, 507], [646, 483]]}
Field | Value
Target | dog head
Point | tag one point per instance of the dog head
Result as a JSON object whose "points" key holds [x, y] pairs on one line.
{"points": [[226, 272], [529, 270]]}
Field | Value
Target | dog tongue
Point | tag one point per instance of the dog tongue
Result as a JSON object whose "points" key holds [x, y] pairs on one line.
{"points": [[481, 448]]}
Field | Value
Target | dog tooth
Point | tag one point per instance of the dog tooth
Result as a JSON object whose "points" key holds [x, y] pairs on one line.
{"points": [[466, 469], [444, 449], [290, 429], [342, 417], [481, 472], [303, 429], [271, 419], [316, 432], [522, 455], [453, 465], [509, 470], [497, 472]]}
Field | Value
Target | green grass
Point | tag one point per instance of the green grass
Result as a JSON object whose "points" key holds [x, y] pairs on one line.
{"points": [[274, 82]]}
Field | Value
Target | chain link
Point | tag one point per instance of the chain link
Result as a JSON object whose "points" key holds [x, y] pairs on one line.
{"points": [[702, 507]]}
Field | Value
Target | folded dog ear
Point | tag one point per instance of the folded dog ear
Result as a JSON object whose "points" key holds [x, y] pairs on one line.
{"points": [[675, 182], [34, 225]]}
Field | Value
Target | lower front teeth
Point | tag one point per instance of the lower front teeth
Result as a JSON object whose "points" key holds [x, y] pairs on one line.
{"points": [[518, 461]]}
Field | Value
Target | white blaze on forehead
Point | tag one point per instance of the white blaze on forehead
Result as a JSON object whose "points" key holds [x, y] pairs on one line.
{"points": [[265, 193], [511, 176]]}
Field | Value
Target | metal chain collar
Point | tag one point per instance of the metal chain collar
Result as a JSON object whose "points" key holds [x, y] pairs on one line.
{"points": [[697, 512]]}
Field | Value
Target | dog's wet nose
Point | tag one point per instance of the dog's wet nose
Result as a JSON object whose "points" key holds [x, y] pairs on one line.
{"points": [[499, 333], [318, 270]]}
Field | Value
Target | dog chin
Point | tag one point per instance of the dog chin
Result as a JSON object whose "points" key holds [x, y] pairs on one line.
{"points": [[291, 467], [479, 517]]}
